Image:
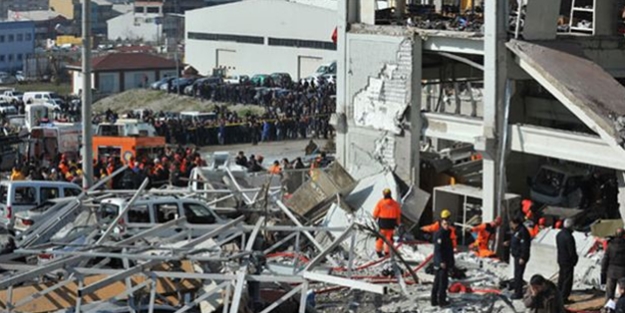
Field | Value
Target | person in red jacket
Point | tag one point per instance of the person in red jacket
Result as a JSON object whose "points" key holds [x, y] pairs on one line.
{"points": [[434, 227], [485, 233], [387, 213]]}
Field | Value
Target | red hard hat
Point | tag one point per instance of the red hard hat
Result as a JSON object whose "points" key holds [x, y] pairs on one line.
{"points": [[542, 221]]}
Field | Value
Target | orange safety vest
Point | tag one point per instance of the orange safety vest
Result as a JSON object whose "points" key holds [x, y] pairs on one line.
{"points": [[274, 169], [388, 213], [434, 227]]}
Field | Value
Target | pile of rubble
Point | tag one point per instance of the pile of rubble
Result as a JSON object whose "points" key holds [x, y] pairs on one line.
{"points": [[238, 242]]}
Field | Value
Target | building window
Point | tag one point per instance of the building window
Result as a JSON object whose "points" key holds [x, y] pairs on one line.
{"points": [[300, 43], [20, 37], [2, 57], [1, 38], [11, 38], [153, 10], [29, 37], [139, 9], [10, 58], [19, 57], [226, 37]]}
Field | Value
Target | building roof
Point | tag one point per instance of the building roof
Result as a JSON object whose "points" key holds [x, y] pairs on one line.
{"points": [[141, 49], [35, 15], [129, 61], [122, 8]]}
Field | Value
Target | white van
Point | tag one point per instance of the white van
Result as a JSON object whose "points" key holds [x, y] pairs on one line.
{"points": [[48, 98], [149, 211], [198, 117], [23, 195]]}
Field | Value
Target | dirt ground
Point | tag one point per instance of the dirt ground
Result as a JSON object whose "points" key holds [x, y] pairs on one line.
{"points": [[156, 101]]}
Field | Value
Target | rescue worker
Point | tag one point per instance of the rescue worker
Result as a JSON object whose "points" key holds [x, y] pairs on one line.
{"points": [[387, 212], [16, 174], [542, 296], [567, 259], [520, 250], [443, 261], [542, 223], [526, 208], [274, 169], [434, 227], [613, 263], [485, 233]]}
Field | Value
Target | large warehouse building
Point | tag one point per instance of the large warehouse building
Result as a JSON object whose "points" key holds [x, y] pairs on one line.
{"points": [[261, 37]]}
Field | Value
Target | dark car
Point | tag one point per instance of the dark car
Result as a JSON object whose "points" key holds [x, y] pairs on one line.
{"points": [[181, 83], [281, 79]]}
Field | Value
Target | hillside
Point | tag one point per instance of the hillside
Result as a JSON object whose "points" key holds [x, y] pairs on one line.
{"points": [[159, 100]]}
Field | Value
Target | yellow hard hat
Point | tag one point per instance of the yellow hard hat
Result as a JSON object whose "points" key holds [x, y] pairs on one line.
{"points": [[445, 214], [386, 192]]}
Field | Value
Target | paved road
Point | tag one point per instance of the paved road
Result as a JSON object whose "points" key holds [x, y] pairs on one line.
{"points": [[269, 150]]}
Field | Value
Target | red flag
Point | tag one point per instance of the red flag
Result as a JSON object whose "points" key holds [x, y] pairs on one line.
{"points": [[335, 35]]}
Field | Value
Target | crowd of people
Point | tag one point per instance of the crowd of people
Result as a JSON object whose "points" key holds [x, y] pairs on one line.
{"points": [[300, 112], [173, 167]]}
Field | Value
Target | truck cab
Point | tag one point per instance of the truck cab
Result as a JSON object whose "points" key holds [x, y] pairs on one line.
{"points": [[127, 138]]}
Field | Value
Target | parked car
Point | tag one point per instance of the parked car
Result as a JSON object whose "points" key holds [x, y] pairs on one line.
{"points": [[181, 83], [19, 196], [317, 80], [7, 108], [12, 96], [26, 219], [261, 80], [7, 80], [162, 82], [281, 79], [50, 99], [148, 211], [212, 80], [330, 78], [325, 69], [237, 79]]}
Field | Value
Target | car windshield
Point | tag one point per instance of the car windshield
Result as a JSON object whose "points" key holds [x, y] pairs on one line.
{"points": [[322, 69], [108, 211], [17, 94], [54, 95]]}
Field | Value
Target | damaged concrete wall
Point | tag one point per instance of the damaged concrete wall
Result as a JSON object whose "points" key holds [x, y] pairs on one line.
{"points": [[378, 92]]}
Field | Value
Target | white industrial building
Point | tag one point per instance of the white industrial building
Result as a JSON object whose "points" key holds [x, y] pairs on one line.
{"points": [[261, 37]]}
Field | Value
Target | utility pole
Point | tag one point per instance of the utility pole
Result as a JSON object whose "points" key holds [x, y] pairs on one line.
{"points": [[87, 153]]}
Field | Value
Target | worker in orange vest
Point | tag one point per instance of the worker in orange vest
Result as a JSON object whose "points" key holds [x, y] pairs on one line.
{"points": [[275, 168], [542, 222], [387, 212], [434, 227], [526, 207], [485, 233]]}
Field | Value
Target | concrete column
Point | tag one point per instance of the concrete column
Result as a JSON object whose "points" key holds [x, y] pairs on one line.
{"points": [[348, 11], [367, 11], [606, 17], [494, 85], [438, 6], [415, 110], [541, 19], [620, 176], [400, 8]]}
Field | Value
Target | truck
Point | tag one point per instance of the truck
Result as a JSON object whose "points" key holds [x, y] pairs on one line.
{"points": [[127, 138], [12, 96]]}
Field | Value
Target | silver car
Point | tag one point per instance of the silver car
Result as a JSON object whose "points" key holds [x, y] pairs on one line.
{"points": [[26, 219]]}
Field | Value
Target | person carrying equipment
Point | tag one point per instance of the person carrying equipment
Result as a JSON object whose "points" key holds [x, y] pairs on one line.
{"points": [[387, 213]]}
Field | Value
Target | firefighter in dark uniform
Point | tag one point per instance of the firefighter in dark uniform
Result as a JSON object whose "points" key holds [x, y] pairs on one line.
{"points": [[443, 261], [520, 250]]}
